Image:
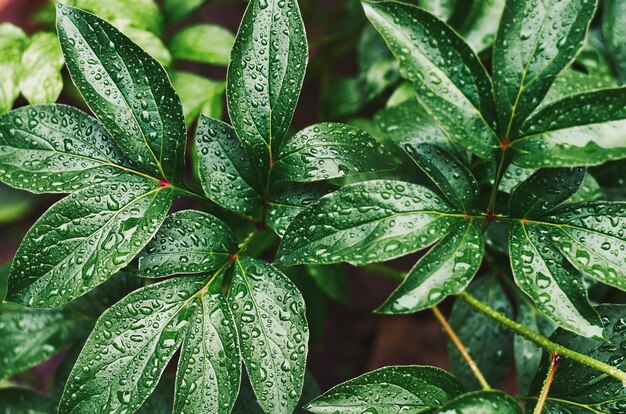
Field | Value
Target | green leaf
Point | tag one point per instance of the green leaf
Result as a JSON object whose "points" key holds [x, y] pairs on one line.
{"points": [[209, 369], [15, 206], [175, 10], [332, 280], [545, 190], [589, 190], [489, 344], [127, 89], [481, 402], [536, 40], [390, 390], [141, 14], [330, 150], [262, 95], [199, 95], [130, 347], [286, 204], [29, 337], [226, 173], [367, 222], [452, 177], [13, 41], [578, 387], [85, 238], [4, 279], [584, 129], [445, 270], [204, 43], [41, 80], [273, 333], [148, 41], [56, 148], [161, 400], [550, 280], [614, 33], [188, 242], [16, 400], [480, 24], [451, 83], [443, 9]]}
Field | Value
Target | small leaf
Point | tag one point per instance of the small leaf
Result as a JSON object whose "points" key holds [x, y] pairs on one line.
{"points": [[129, 348], [13, 41], [198, 95], [262, 96], [127, 89], [452, 178], [226, 173], [545, 190], [24, 400], [273, 333], [204, 43], [390, 390], [451, 83], [481, 402], [85, 238], [330, 150], [56, 148], [176, 10], [445, 270], [332, 280], [536, 40], [367, 222], [41, 80], [16, 205], [188, 242], [489, 344], [142, 14]]}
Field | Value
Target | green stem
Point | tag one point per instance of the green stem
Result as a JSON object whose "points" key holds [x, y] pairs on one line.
{"points": [[542, 341], [494, 190], [554, 363]]}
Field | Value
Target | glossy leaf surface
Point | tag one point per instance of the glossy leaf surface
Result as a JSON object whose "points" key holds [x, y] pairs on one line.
{"points": [[481, 23], [613, 23], [17, 400], [188, 242], [273, 333], [285, 205], [390, 390], [198, 95], [205, 43], [481, 402]]}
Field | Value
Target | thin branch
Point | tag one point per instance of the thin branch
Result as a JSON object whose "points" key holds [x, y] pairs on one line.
{"points": [[554, 363]]}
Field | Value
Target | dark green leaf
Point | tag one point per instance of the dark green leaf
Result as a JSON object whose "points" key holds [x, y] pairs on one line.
{"points": [[331, 280], [367, 222], [226, 173], [63, 371], [142, 14], [13, 41], [480, 24], [589, 190], [613, 24], [205, 43], [545, 190], [273, 333], [265, 75], [198, 95], [4, 279], [175, 10], [161, 400], [443, 9], [14, 400], [453, 179], [56, 148], [85, 238], [209, 369], [41, 80], [550, 280], [450, 81], [481, 402], [489, 344], [129, 348], [536, 40], [127, 89], [148, 41], [188, 242], [330, 150], [445, 270], [390, 390], [584, 129]]}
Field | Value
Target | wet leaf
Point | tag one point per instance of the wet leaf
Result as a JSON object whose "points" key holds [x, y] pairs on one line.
{"points": [[332, 280], [161, 400], [480, 24], [85, 238], [481, 402], [142, 14], [451, 83], [127, 89], [265, 75], [367, 222], [199, 95], [273, 333], [445, 270], [188, 242], [613, 24], [390, 390], [41, 80], [204, 43], [329, 150]]}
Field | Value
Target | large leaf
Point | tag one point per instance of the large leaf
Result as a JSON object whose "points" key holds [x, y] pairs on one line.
{"points": [[265, 75], [536, 40], [142, 14], [390, 390], [489, 344], [584, 129], [209, 369], [367, 222], [450, 81], [41, 80], [273, 333], [205, 43], [85, 238], [198, 95], [480, 25], [125, 355], [188, 242], [614, 32], [329, 150], [12, 43], [56, 148], [481, 402], [227, 175], [127, 89]]}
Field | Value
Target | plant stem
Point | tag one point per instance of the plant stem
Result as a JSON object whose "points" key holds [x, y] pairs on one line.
{"points": [[494, 190], [554, 363], [542, 341]]}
